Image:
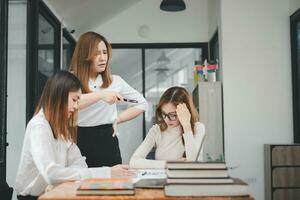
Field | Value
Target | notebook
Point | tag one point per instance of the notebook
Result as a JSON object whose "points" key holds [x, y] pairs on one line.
{"points": [[150, 178], [106, 186]]}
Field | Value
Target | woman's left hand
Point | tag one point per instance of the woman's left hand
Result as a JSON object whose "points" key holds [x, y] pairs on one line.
{"points": [[115, 127], [184, 116]]}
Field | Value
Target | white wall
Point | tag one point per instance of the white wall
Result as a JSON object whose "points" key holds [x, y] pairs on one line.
{"points": [[214, 17], [157, 26], [294, 6], [16, 86], [257, 87]]}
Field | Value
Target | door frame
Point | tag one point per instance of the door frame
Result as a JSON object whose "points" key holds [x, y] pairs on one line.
{"points": [[294, 20], [5, 190], [3, 88]]}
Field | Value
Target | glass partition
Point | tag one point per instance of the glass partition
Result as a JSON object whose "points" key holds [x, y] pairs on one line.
{"points": [[46, 65], [128, 64], [44, 48], [165, 68], [68, 48], [151, 69]]}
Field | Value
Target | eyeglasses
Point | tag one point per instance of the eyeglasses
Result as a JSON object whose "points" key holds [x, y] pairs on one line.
{"points": [[171, 116]]}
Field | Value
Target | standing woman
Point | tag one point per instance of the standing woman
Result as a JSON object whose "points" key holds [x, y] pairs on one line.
{"points": [[98, 117], [49, 154]]}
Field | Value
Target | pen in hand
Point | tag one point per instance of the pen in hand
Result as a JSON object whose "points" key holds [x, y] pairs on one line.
{"points": [[144, 173], [129, 100]]}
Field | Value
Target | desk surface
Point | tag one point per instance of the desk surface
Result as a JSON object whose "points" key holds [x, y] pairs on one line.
{"points": [[66, 191]]}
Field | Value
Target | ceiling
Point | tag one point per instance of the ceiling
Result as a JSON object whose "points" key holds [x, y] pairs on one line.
{"points": [[96, 12], [84, 15]]}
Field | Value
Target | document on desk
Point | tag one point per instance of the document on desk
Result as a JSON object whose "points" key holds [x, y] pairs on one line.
{"points": [[151, 173], [150, 178]]}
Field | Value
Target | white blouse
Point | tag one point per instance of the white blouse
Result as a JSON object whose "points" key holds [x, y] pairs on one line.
{"points": [[169, 146], [101, 112], [49, 161]]}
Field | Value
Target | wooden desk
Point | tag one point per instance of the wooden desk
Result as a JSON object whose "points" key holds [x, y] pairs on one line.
{"points": [[67, 191]]}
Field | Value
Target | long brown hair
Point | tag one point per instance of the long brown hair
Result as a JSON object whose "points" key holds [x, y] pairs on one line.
{"points": [[54, 102], [85, 51], [175, 95]]}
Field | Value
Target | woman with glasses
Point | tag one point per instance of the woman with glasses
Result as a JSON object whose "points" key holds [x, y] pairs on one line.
{"points": [[177, 135]]}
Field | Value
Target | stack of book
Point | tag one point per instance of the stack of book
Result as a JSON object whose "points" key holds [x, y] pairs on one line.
{"points": [[202, 179], [106, 186]]}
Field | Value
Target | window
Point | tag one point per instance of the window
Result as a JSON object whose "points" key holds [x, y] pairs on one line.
{"points": [[68, 49], [128, 64], [165, 68], [44, 31], [143, 67], [156, 77]]}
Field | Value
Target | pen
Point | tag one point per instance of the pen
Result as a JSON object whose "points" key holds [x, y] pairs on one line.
{"points": [[144, 173], [130, 100]]}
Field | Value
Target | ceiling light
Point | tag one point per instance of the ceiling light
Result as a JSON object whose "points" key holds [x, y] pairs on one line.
{"points": [[162, 63], [163, 59], [172, 5]]}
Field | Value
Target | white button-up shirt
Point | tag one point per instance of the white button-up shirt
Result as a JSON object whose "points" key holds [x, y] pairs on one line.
{"points": [[101, 112], [49, 161]]}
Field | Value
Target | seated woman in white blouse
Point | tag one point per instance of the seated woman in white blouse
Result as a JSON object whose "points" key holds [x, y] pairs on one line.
{"points": [[177, 134], [50, 155]]}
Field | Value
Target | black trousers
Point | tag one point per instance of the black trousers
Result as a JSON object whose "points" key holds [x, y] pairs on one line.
{"points": [[98, 146], [28, 197]]}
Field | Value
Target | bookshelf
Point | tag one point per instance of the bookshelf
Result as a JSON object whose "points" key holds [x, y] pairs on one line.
{"points": [[282, 171], [207, 97]]}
